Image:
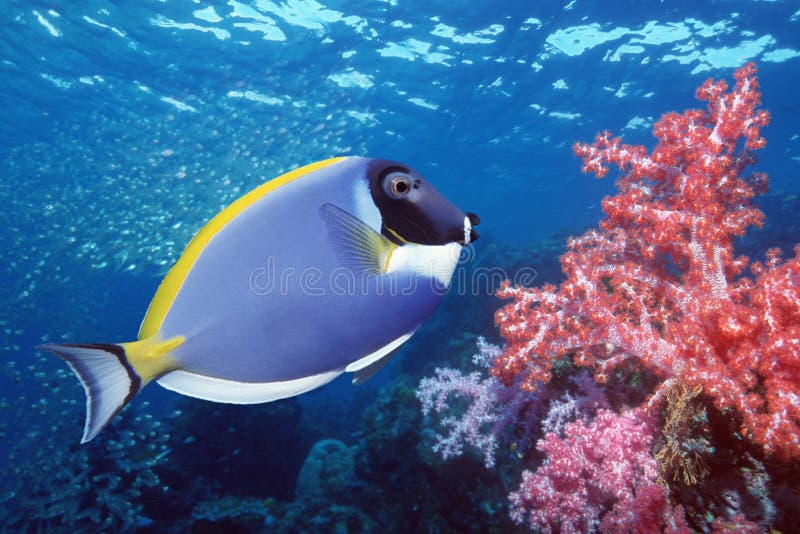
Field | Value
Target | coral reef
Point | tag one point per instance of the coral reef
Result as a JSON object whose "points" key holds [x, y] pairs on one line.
{"points": [[328, 469], [681, 455], [703, 343], [234, 514], [658, 281], [601, 477], [224, 446], [659, 438], [491, 409], [53, 484]]}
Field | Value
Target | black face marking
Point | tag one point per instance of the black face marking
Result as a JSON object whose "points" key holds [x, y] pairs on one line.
{"points": [[412, 209]]}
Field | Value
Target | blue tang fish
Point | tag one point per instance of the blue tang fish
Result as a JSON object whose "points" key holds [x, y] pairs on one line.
{"points": [[327, 269]]}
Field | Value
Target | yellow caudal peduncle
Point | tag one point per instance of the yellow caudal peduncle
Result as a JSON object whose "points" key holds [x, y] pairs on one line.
{"points": [[168, 290], [150, 358]]}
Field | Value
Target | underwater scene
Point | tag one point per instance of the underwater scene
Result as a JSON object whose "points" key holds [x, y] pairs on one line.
{"points": [[400, 266]]}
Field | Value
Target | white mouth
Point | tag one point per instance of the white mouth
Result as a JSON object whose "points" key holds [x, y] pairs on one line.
{"points": [[467, 230]]}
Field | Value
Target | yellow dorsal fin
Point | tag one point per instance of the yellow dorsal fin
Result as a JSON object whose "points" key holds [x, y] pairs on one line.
{"points": [[172, 282]]}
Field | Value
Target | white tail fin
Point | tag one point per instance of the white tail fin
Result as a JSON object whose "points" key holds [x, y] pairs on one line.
{"points": [[107, 377]]}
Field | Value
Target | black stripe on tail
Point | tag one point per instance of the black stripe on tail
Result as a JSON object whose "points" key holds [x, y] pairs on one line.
{"points": [[107, 378]]}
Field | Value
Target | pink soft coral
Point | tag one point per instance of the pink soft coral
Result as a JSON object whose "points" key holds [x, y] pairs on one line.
{"points": [[601, 476]]}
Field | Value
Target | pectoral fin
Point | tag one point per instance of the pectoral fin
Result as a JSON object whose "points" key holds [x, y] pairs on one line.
{"points": [[358, 246]]}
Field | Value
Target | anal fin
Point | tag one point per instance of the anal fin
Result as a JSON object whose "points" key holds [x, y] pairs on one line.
{"points": [[366, 366], [364, 374], [235, 392]]}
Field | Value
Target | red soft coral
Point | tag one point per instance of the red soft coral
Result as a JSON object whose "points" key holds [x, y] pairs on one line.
{"points": [[658, 281]]}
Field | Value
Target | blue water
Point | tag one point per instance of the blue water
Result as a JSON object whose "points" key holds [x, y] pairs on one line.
{"points": [[125, 126]]}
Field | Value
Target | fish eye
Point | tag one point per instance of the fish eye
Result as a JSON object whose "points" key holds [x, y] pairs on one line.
{"points": [[398, 184]]}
